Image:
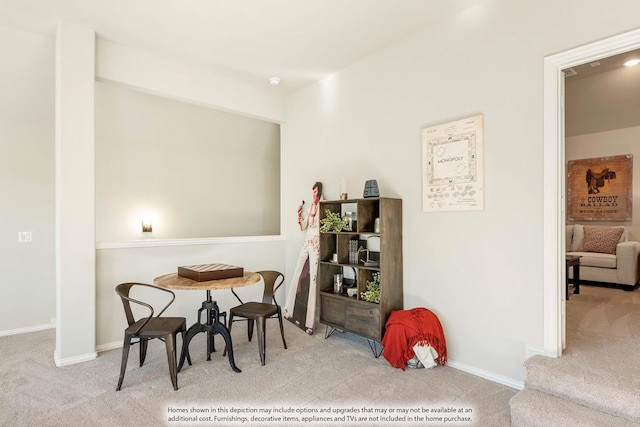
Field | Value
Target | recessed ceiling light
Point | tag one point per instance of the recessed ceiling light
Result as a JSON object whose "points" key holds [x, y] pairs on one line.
{"points": [[632, 62], [275, 81]]}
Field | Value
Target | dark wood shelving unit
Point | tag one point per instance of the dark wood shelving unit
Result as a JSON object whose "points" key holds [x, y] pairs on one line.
{"points": [[352, 314]]}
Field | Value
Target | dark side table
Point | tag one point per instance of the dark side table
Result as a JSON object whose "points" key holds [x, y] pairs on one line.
{"points": [[573, 261]]}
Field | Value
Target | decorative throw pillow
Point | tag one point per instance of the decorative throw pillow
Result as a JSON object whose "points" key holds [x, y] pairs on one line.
{"points": [[601, 239]]}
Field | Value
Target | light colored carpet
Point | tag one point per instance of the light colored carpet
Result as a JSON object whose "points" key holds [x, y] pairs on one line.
{"points": [[602, 313], [599, 367], [603, 338], [314, 373], [538, 409]]}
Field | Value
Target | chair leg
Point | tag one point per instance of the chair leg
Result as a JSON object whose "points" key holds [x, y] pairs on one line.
{"points": [[143, 350], [170, 343], [261, 323], [123, 363], [250, 328], [282, 329]]}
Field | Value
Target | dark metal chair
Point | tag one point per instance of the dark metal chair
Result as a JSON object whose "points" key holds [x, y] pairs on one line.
{"points": [[150, 327], [259, 312]]}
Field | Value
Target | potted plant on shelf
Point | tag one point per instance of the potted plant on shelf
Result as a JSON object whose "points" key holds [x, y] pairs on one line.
{"points": [[333, 222], [372, 294]]}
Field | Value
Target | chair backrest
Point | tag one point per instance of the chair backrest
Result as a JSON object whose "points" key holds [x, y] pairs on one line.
{"points": [[272, 281], [123, 290]]}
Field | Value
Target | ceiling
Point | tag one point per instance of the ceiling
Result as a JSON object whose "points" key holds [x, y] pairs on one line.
{"points": [[604, 97], [601, 65], [296, 40]]}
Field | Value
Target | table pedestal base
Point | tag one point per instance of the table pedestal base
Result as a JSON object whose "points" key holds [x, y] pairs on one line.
{"points": [[211, 327]]}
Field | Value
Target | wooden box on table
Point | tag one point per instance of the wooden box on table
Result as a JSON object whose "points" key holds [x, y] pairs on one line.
{"points": [[206, 272]]}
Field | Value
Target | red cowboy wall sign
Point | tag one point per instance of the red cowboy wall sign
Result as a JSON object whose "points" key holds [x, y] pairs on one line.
{"points": [[600, 189]]}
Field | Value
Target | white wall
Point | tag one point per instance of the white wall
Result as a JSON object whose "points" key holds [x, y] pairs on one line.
{"points": [[143, 261], [173, 80], [194, 171], [480, 272], [75, 199], [26, 181], [607, 144]]}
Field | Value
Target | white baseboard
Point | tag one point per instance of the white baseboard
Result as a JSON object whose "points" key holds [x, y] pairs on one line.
{"points": [[61, 362], [533, 350], [491, 376], [28, 329], [73, 360], [109, 346]]}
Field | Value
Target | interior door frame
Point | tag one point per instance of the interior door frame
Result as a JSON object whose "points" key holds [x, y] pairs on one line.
{"points": [[555, 176]]}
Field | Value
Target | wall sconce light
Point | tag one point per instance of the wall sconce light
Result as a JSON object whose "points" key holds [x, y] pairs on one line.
{"points": [[147, 227]]}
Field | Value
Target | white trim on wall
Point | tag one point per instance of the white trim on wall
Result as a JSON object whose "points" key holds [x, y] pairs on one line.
{"points": [[35, 328], [488, 375], [186, 242], [554, 174]]}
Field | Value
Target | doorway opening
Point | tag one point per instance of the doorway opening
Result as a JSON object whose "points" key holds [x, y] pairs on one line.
{"points": [[555, 177]]}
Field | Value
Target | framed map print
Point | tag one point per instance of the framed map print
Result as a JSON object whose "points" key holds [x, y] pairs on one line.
{"points": [[452, 166], [600, 189]]}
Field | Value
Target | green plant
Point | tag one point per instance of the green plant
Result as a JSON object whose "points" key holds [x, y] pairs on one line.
{"points": [[333, 222], [372, 294]]}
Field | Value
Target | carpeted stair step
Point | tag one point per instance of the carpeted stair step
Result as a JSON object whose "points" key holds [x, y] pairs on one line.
{"points": [[617, 395], [533, 408]]}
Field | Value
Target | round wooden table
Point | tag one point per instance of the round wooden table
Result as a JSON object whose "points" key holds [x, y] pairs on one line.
{"points": [[211, 325]]}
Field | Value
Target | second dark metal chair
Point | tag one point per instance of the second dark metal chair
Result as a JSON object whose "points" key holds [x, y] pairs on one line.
{"points": [[150, 327], [259, 312]]}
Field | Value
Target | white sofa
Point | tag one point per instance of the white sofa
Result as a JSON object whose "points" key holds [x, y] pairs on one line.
{"points": [[603, 257]]}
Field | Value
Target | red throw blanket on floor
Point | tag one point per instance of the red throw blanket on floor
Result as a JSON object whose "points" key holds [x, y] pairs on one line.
{"points": [[406, 328]]}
